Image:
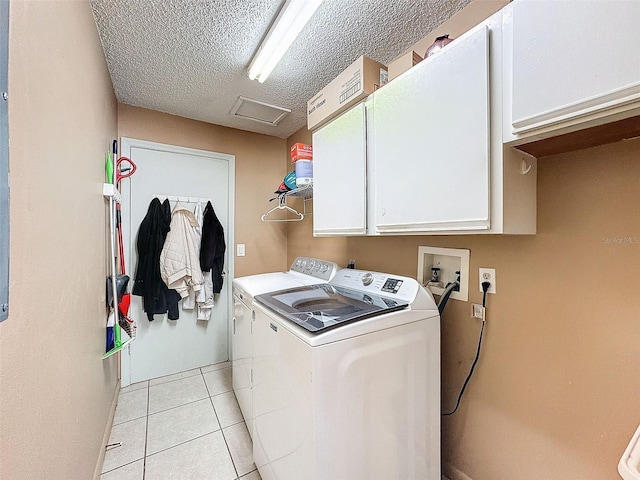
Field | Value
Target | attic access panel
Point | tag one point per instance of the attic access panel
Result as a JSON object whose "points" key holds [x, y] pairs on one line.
{"points": [[4, 163], [258, 111]]}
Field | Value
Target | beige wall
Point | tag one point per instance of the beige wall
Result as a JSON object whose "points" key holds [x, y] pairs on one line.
{"points": [[258, 174], [56, 392], [555, 394], [300, 238], [556, 391]]}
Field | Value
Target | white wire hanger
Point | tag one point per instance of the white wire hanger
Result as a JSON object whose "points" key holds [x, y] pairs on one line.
{"points": [[282, 205]]}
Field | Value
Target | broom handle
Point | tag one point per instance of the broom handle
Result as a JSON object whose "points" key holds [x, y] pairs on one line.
{"points": [[112, 214]]}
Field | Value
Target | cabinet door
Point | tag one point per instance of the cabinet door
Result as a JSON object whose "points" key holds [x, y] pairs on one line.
{"points": [[241, 358], [339, 175], [571, 59], [430, 142]]}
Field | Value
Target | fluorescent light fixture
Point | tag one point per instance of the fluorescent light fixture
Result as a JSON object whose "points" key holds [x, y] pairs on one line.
{"points": [[291, 19]]}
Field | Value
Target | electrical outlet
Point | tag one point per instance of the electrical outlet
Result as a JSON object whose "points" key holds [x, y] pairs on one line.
{"points": [[488, 275], [240, 251]]}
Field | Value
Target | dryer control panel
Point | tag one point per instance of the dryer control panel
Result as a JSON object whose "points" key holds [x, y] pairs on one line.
{"points": [[314, 267]]}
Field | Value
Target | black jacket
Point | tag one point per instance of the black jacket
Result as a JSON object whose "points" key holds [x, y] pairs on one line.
{"points": [[212, 247], [157, 298]]}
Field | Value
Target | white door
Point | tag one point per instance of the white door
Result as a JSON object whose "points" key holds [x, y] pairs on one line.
{"points": [[164, 346]]}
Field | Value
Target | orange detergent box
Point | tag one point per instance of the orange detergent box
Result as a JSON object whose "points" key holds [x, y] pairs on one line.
{"points": [[301, 151]]}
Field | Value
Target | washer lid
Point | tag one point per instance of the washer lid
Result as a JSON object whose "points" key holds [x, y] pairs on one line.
{"points": [[318, 308]]}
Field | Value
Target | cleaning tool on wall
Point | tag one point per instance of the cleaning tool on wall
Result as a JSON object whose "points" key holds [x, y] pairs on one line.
{"points": [[121, 172], [118, 299], [113, 343]]}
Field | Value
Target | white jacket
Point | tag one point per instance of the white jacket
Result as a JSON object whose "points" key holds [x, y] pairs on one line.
{"points": [[180, 256], [203, 299]]}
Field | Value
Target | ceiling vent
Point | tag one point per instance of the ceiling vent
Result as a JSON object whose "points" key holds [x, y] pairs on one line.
{"points": [[258, 111]]}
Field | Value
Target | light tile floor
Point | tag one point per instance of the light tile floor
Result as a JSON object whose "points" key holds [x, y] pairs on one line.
{"points": [[186, 426]]}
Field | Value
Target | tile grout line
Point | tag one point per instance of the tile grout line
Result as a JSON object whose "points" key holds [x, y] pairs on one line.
{"points": [[120, 466], [221, 429], [171, 381], [115, 422], [182, 443], [146, 433], [183, 404], [200, 372], [177, 406], [224, 437]]}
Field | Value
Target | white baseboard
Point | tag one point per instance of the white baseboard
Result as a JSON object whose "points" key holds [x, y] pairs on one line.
{"points": [[107, 433]]}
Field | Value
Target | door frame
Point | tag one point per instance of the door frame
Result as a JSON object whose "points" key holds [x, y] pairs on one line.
{"points": [[126, 144]]}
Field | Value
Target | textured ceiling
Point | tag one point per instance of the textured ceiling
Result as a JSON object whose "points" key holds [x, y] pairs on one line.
{"points": [[190, 57]]}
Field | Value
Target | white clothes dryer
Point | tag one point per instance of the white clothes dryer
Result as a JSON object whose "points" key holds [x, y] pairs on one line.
{"points": [[303, 271]]}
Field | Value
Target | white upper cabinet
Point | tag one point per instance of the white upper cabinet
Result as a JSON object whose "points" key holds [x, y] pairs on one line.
{"points": [[430, 142], [569, 64], [424, 154], [339, 175]]}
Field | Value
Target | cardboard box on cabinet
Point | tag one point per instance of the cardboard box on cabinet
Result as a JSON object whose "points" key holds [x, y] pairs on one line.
{"points": [[357, 81], [402, 64]]}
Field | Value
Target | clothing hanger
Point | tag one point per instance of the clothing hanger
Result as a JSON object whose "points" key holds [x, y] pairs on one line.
{"points": [[282, 206]]}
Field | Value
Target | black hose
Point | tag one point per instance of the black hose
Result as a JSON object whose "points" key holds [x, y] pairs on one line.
{"points": [[444, 298]]}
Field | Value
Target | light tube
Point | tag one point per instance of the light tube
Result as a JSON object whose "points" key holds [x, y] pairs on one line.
{"points": [[292, 18]]}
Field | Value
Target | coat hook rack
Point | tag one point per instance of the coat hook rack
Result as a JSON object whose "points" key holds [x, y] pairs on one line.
{"points": [[182, 199]]}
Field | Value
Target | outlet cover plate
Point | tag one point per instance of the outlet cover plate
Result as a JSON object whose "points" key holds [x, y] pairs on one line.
{"points": [[487, 275], [477, 311]]}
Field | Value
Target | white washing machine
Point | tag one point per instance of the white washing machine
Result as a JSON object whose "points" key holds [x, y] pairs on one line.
{"points": [[303, 271], [346, 380]]}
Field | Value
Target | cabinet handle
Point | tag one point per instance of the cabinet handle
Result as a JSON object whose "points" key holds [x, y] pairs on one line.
{"points": [[234, 325]]}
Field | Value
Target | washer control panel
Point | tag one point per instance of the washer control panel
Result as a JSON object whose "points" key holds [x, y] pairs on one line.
{"points": [[392, 285], [313, 267], [386, 285]]}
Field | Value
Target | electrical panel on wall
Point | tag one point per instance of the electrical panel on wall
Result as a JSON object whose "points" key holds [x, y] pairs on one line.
{"points": [[437, 267]]}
